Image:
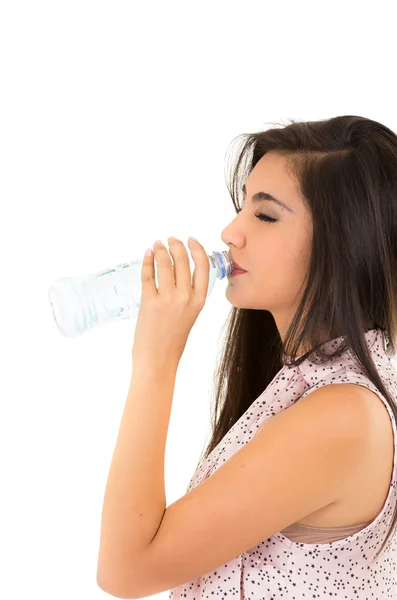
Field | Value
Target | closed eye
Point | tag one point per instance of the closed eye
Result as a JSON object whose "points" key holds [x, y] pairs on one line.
{"points": [[260, 216], [263, 217]]}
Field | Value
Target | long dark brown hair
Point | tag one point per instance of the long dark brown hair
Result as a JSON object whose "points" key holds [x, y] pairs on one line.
{"points": [[345, 169]]}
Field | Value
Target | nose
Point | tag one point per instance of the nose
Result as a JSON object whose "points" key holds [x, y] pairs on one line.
{"points": [[232, 238], [227, 235]]}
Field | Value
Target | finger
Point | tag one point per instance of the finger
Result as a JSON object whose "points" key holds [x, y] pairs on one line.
{"points": [[165, 273], [182, 272], [201, 273], [147, 275]]}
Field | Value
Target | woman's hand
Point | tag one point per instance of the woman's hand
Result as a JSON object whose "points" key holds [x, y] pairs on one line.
{"points": [[167, 314]]}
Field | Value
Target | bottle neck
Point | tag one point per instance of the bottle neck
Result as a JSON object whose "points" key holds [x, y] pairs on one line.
{"points": [[222, 262]]}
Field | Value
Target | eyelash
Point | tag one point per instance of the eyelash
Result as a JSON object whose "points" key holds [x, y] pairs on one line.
{"points": [[263, 217]]}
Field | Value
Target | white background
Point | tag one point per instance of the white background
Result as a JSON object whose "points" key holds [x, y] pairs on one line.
{"points": [[115, 121]]}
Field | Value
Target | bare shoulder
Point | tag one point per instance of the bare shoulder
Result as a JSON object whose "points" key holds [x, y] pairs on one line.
{"points": [[379, 434], [343, 402], [366, 490], [369, 404], [363, 411]]}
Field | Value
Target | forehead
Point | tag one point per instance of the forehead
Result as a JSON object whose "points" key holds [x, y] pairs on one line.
{"points": [[271, 173]]}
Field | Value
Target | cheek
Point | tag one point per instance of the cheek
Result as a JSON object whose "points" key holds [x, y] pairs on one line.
{"points": [[287, 264], [286, 254]]}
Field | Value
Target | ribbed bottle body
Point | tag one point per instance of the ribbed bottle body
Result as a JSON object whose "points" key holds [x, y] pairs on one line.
{"points": [[78, 304]]}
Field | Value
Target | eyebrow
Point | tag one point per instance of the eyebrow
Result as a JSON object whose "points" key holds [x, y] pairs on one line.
{"points": [[259, 196]]}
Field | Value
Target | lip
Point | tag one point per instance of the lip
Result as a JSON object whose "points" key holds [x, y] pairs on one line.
{"points": [[237, 267], [236, 273]]}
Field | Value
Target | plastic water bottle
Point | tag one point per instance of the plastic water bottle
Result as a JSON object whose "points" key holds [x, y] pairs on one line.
{"points": [[81, 303]]}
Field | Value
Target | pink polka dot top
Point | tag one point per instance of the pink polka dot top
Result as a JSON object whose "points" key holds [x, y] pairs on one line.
{"points": [[301, 562]]}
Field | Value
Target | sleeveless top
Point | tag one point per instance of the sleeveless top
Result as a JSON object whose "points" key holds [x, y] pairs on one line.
{"points": [[302, 562]]}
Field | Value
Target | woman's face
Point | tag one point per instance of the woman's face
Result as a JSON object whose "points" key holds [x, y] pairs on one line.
{"points": [[275, 255]]}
